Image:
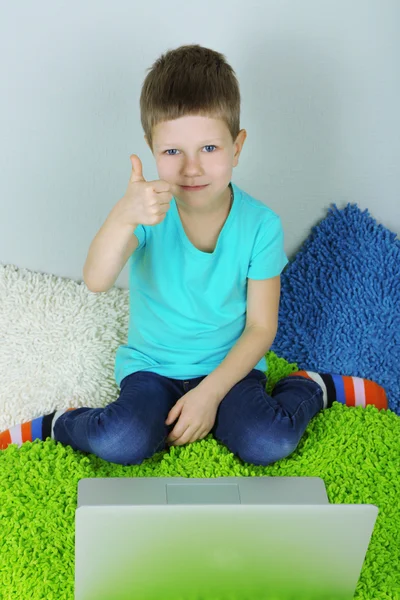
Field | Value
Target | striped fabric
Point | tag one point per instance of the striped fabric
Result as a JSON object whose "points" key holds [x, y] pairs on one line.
{"points": [[40, 428], [348, 390]]}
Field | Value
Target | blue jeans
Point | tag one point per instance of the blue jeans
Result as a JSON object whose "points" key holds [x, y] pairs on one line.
{"points": [[258, 428]]}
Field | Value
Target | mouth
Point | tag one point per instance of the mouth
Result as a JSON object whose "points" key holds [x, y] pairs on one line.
{"points": [[193, 187]]}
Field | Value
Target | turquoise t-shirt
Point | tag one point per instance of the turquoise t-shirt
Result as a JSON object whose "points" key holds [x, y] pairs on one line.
{"points": [[188, 307]]}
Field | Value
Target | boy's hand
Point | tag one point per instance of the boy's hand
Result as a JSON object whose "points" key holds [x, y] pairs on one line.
{"points": [[197, 416], [145, 202]]}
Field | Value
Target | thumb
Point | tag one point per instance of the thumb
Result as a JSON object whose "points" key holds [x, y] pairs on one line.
{"points": [[174, 413], [137, 169]]}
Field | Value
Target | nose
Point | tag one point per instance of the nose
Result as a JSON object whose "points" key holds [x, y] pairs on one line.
{"points": [[192, 167]]}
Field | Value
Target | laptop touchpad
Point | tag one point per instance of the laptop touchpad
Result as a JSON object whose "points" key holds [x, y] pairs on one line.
{"points": [[214, 493]]}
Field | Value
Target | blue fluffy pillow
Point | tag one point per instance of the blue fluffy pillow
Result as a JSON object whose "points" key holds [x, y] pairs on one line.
{"points": [[340, 301]]}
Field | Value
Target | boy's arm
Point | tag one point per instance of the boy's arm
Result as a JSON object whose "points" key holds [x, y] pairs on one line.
{"points": [[263, 298], [110, 249]]}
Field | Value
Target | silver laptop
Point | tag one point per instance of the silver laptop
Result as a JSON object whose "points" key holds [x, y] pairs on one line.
{"points": [[224, 538]]}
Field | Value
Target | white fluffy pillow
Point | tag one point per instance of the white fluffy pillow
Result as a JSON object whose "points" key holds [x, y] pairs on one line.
{"points": [[57, 344]]}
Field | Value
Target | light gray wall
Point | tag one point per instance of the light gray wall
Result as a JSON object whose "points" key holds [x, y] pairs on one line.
{"points": [[320, 85]]}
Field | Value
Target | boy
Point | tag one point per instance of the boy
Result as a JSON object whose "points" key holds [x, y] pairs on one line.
{"points": [[205, 265]]}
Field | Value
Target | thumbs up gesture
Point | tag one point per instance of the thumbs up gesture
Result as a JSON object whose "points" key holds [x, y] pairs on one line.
{"points": [[145, 202]]}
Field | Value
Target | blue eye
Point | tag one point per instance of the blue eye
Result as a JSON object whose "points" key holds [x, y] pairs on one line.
{"points": [[208, 146]]}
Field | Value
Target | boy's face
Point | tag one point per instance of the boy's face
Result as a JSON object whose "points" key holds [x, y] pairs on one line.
{"points": [[196, 150]]}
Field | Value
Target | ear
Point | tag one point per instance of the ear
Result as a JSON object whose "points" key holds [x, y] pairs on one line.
{"points": [[242, 135]]}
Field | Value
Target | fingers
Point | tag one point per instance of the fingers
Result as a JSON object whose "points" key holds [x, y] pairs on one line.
{"points": [[188, 437]]}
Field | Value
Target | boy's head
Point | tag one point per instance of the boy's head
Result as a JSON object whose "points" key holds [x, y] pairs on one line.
{"points": [[190, 113]]}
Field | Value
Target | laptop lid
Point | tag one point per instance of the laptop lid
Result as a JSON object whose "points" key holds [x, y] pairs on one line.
{"points": [[224, 551]]}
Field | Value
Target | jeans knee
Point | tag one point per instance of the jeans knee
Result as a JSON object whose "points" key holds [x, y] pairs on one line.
{"points": [[264, 451], [126, 448]]}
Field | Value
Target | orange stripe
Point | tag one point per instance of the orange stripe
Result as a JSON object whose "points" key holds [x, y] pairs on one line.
{"points": [[26, 432], [382, 401], [375, 394], [349, 390], [5, 439], [303, 374]]}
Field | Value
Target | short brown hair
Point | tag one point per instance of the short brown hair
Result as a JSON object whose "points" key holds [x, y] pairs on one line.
{"points": [[190, 80]]}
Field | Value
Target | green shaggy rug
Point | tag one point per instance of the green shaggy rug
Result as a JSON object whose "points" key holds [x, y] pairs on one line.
{"points": [[356, 451]]}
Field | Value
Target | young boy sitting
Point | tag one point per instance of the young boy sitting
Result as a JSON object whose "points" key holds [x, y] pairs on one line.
{"points": [[205, 265]]}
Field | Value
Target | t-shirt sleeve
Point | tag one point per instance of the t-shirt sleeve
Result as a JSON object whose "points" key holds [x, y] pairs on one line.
{"points": [[268, 258], [140, 233]]}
